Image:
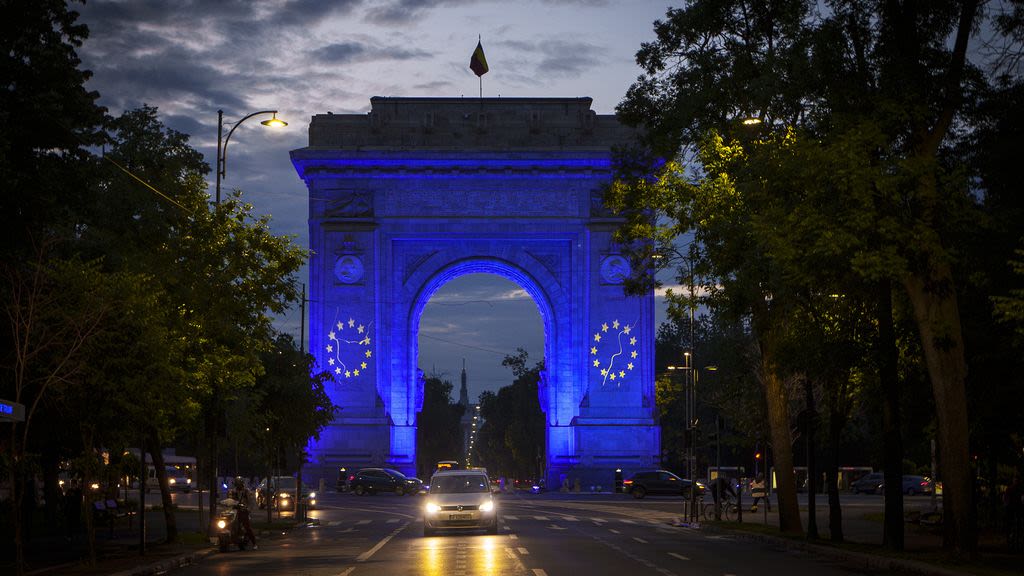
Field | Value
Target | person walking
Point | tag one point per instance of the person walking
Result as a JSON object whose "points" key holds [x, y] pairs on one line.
{"points": [[241, 494], [759, 491]]}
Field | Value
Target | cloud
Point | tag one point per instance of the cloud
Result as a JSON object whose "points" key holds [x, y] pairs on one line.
{"points": [[407, 11], [349, 52]]}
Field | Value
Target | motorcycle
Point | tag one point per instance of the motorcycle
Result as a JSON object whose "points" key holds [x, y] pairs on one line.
{"points": [[228, 527]]}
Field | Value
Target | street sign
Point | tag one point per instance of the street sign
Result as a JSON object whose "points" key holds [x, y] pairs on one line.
{"points": [[11, 411]]}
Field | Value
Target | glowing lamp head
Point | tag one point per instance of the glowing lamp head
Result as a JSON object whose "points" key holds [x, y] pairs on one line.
{"points": [[274, 122], [222, 524]]}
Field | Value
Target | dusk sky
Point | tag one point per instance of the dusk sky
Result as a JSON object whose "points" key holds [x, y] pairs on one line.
{"points": [[306, 57]]}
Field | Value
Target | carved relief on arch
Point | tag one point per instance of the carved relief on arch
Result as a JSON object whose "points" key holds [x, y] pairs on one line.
{"points": [[412, 262], [549, 261]]}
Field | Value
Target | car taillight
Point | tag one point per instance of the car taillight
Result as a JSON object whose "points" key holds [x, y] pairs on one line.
{"points": [[352, 477], [627, 481], [924, 483]]}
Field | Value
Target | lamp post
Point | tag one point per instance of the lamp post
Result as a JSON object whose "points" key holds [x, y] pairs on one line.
{"points": [[222, 144]]}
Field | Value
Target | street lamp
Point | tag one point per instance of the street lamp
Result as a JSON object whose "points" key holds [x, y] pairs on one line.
{"points": [[222, 145]]}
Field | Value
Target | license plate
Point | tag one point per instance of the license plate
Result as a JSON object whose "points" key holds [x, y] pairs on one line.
{"points": [[460, 516]]}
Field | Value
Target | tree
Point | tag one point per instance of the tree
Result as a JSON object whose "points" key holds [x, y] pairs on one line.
{"points": [[438, 425], [512, 436], [877, 87]]}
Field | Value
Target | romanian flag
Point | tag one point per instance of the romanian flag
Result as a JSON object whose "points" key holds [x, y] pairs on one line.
{"points": [[478, 62]]}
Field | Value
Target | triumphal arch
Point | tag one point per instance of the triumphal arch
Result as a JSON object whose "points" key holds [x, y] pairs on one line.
{"points": [[422, 190]]}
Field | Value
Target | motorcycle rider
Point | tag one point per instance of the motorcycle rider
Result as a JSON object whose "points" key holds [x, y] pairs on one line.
{"points": [[241, 494]]}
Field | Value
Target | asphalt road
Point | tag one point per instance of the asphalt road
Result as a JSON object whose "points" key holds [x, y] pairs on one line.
{"points": [[554, 534]]}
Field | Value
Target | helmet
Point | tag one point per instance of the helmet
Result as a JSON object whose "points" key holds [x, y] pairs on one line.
{"points": [[239, 482]]}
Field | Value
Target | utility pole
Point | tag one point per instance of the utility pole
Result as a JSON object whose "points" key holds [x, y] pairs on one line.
{"points": [[300, 508]]}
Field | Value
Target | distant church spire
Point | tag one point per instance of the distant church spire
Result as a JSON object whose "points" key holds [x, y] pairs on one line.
{"points": [[463, 391]]}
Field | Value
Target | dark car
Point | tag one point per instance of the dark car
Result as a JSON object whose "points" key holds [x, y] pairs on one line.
{"points": [[373, 480], [657, 482], [870, 483], [281, 492]]}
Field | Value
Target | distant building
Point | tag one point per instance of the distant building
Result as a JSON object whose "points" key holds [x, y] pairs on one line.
{"points": [[470, 419]]}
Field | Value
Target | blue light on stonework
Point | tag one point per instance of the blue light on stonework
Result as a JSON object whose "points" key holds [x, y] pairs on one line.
{"points": [[398, 168]]}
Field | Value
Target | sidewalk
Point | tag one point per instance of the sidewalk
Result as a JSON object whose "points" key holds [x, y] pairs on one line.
{"points": [[862, 532]]}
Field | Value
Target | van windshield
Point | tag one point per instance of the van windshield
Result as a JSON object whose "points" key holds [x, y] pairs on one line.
{"points": [[459, 484]]}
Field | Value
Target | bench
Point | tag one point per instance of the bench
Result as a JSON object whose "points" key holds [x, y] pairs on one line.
{"points": [[107, 511]]}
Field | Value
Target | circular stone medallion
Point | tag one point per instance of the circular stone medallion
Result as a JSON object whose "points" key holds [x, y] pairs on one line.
{"points": [[614, 269], [348, 269]]}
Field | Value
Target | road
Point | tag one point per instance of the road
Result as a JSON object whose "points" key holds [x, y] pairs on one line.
{"points": [[553, 534]]}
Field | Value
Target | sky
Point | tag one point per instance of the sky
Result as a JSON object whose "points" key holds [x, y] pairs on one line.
{"points": [[190, 58]]}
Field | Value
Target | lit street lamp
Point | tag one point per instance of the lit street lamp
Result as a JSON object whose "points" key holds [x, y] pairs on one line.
{"points": [[222, 145]]}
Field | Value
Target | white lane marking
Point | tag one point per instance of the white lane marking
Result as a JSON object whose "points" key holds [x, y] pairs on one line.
{"points": [[539, 572], [523, 551], [391, 520], [556, 527], [614, 531], [624, 521], [513, 537], [363, 522], [598, 520], [510, 554], [509, 517], [366, 555], [679, 556], [640, 540], [540, 518], [347, 571], [570, 519]]}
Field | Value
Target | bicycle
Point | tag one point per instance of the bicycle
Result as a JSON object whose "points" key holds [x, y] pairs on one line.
{"points": [[728, 509]]}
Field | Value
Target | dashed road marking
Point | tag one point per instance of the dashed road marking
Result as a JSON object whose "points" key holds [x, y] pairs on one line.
{"points": [[545, 518], [640, 540], [539, 572], [556, 527], [523, 551], [679, 556], [363, 522], [513, 537], [509, 517], [391, 520], [570, 519], [346, 571], [614, 531], [366, 555], [624, 521], [598, 520]]}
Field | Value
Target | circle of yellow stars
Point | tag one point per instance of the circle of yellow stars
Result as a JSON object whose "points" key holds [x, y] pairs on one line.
{"points": [[341, 360], [614, 369]]}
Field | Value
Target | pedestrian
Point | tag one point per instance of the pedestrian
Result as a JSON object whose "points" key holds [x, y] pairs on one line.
{"points": [[722, 489], [243, 496], [759, 491], [1013, 502]]}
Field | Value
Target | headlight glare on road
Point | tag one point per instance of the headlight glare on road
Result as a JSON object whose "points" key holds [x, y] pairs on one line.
{"points": [[221, 524], [432, 508], [487, 506]]}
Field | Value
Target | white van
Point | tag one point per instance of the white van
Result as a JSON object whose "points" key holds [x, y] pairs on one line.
{"points": [[179, 480]]}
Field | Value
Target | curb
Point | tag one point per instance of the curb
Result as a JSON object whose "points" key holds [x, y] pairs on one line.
{"points": [[851, 557], [167, 565]]}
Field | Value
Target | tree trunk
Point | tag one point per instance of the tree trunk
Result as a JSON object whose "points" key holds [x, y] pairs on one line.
{"points": [[13, 473], [892, 437], [933, 298], [811, 422], [836, 422], [782, 441], [170, 520]]}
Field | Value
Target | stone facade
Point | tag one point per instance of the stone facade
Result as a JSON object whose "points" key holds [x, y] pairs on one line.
{"points": [[423, 190]]}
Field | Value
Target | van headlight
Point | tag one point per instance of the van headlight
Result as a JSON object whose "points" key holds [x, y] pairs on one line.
{"points": [[487, 506], [432, 508], [283, 496]]}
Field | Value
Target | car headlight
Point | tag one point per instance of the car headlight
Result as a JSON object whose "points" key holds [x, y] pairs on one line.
{"points": [[222, 524], [283, 496], [173, 481], [487, 506], [432, 508], [700, 486], [312, 494]]}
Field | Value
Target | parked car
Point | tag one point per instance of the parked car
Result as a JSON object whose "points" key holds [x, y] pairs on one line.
{"points": [[281, 493], [657, 482], [373, 480], [459, 500], [870, 483], [913, 485]]}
